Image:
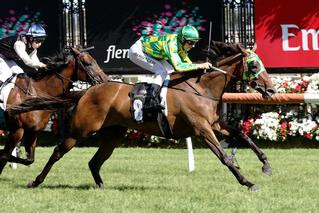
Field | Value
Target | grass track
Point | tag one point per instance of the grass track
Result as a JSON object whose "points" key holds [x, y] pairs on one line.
{"points": [[157, 180]]}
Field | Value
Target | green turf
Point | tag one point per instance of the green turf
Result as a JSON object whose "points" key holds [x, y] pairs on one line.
{"points": [[157, 180]]}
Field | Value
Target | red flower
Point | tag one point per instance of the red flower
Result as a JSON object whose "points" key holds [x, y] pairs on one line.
{"points": [[285, 84], [247, 125], [135, 135], [308, 135]]}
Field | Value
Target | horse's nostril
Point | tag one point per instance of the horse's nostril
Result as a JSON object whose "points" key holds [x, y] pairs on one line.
{"points": [[253, 84], [272, 91]]}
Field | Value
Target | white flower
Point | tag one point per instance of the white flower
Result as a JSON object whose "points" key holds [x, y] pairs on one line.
{"points": [[313, 86], [267, 126]]}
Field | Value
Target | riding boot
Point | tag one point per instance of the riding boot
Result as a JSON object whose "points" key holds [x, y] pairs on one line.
{"points": [[156, 90], [2, 119]]}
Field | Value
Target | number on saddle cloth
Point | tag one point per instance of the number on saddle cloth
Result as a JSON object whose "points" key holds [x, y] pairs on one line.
{"points": [[145, 102]]}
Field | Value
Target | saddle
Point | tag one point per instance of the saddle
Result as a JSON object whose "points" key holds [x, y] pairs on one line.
{"points": [[146, 106]]}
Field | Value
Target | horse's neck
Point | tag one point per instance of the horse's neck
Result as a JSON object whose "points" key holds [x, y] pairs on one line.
{"points": [[55, 84], [211, 84], [217, 82]]}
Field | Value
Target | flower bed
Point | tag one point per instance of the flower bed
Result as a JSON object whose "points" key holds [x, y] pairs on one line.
{"points": [[282, 123]]}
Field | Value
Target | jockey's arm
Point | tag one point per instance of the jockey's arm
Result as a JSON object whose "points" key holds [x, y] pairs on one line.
{"points": [[179, 64], [181, 61], [35, 59], [31, 60]]}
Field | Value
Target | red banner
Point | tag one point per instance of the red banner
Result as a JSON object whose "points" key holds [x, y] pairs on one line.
{"points": [[287, 32]]}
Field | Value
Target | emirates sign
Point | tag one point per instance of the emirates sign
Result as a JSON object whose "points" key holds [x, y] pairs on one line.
{"points": [[287, 33]]}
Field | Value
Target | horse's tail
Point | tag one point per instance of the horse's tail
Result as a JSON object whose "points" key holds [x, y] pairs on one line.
{"points": [[64, 101]]}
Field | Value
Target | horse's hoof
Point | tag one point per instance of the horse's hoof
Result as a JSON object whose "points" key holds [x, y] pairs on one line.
{"points": [[100, 185], [32, 185], [253, 188], [27, 163], [267, 170]]}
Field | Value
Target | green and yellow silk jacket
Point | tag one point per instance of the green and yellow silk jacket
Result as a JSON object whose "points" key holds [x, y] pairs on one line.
{"points": [[167, 47]]}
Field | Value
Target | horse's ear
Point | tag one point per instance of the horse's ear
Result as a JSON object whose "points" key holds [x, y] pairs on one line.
{"points": [[243, 50], [75, 51], [254, 47]]}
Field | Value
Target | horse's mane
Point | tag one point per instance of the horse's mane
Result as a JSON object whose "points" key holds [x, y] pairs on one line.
{"points": [[55, 64], [219, 50]]}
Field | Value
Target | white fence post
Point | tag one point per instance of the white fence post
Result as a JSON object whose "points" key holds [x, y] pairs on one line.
{"points": [[191, 161]]}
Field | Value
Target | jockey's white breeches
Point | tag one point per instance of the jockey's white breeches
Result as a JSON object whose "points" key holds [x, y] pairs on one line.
{"points": [[160, 68], [8, 68]]}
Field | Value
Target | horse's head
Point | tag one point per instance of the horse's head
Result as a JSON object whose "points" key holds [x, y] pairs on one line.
{"points": [[87, 68], [241, 64], [256, 74]]}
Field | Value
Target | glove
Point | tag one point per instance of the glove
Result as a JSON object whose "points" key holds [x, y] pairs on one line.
{"points": [[205, 66]]}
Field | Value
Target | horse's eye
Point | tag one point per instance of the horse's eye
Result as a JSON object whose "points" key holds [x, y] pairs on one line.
{"points": [[254, 66]]}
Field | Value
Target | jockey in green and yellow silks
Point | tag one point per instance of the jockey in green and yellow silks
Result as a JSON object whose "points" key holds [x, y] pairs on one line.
{"points": [[168, 47], [162, 55], [167, 53]]}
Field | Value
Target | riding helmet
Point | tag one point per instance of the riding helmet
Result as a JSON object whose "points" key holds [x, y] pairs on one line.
{"points": [[36, 31], [189, 33]]}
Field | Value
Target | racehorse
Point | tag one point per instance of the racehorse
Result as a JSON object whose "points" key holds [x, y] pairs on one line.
{"points": [[193, 103], [63, 69]]}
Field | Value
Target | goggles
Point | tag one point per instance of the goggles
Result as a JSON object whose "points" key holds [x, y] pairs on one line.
{"points": [[38, 40], [191, 42]]}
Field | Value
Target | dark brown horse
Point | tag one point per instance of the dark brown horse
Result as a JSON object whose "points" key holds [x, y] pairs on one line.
{"points": [[63, 70], [193, 100]]}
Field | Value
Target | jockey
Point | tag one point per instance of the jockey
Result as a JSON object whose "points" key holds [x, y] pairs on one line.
{"points": [[21, 48], [167, 53]]}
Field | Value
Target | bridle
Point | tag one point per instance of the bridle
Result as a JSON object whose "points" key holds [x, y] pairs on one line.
{"points": [[78, 65], [88, 72], [196, 92]]}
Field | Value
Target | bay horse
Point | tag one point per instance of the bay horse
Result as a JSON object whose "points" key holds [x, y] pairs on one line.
{"points": [[193, 103], [71, 64]]}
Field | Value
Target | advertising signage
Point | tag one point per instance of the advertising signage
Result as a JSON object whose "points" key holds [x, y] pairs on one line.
{"points": [[113, 29], [287, 33]]}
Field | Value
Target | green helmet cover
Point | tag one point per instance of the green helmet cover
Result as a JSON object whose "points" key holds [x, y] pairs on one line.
{"points": [[189, 33]]}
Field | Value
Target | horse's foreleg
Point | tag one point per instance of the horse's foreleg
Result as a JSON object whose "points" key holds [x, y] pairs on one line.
{"points": [[3, 159], [213, 143], [108, 140], [241, 137], [57, 154], [6, 153]]}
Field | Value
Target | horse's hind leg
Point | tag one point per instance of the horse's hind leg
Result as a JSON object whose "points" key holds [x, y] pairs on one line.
{"points": [[6, 153], [30, 141], [57, 154], [205, 131], [241, 137], [109, 138]]}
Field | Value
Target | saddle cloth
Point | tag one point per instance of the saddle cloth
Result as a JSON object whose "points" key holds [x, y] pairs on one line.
{"points": [[148, 103], [5, 90]]}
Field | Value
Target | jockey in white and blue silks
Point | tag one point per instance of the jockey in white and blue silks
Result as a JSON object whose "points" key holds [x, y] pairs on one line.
{"points": [[18, 48], [21, 48]]}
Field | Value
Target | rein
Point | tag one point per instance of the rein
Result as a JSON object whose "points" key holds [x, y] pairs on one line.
{"points": [[174, 88], [214, 68], [77, 64], [195, 93], [194, 90], [88, 72]]}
